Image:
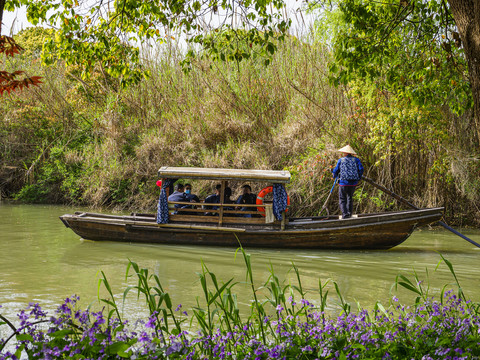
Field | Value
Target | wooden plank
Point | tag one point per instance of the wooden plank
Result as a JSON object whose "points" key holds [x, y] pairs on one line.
{"points": [[178, 226], [203, 211], [282, 176], [214, 219], [202, 203], [193, 227]]}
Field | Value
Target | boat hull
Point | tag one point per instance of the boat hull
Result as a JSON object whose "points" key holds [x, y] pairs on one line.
{"points": [[377, 231]]}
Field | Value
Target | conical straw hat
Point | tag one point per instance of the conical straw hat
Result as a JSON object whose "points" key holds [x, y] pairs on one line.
{"points": [[347, 149]]}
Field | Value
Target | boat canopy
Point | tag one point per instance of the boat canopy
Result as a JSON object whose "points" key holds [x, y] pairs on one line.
{"points": [[282, 176]]}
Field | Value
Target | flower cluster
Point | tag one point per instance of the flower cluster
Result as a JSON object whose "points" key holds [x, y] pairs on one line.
{"points": [[449, 329]]}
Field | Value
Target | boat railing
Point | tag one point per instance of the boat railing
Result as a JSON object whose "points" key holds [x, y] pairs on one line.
{"points": [[223, 214], [202, 212]]}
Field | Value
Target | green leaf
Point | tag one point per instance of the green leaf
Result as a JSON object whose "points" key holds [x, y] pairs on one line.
{"points": [[271, 48], [61, 333], [25, 337], [119, 348]]}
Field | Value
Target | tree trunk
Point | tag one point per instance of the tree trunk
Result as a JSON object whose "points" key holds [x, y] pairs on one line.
{"points": [[467, 18], [2, 5]]}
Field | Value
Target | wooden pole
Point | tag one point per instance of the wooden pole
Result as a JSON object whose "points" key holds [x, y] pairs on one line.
{"points": [[389, 192], [222, 195], [406, 202], [324, 207]]}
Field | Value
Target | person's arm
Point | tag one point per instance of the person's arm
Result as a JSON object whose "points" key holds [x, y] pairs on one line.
{"points": [[336, 169], [360, 167], [238, 202]]}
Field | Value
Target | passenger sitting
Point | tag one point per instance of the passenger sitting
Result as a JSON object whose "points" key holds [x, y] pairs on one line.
{"points": [[188, 194], [213, 199], [191, 198], [247, 198], [227, 200], [178, 195]]}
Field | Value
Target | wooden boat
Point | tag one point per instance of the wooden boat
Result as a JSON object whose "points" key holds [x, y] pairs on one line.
{"points": [[363, 231]]}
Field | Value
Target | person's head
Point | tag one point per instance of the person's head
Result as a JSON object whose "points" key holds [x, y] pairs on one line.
{"points": [[228, 192], [188, 188], [218, 187], [179, 187], [246, 189]]}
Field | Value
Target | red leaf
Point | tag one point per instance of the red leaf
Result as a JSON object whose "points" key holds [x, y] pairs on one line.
{"points": [[8, 82]]}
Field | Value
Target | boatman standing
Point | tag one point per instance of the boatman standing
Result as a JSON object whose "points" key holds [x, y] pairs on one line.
{"points": [[349, 171]]}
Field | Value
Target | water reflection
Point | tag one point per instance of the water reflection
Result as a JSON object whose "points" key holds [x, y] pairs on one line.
{"points": [[42, 261]]}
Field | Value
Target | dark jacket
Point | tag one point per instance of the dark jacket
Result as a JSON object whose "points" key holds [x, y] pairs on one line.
{"points": [[249, 199], [215, 199], [191, 197]]}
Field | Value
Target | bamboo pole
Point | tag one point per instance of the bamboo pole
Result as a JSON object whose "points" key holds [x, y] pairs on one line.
{"points": [[406, 202]]}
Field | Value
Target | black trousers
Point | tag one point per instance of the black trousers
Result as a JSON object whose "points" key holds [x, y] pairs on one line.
{"points": [[345, 197]]}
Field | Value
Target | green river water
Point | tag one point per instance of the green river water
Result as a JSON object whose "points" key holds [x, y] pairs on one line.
{"points": [[44, 262]]}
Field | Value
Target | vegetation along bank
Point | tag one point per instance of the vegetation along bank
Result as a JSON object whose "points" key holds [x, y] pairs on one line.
{"points": [[93, 141]]}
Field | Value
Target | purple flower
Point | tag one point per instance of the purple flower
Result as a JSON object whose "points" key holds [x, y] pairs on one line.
{"points": [[151, 322], [174, 348], [144, 337]]}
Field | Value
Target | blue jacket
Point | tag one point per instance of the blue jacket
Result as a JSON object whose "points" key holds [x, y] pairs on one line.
{"points": [[336, 171], [177, 196]]}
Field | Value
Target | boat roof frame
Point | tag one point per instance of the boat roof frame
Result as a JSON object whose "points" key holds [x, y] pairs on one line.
{"points": [[274, 176]]}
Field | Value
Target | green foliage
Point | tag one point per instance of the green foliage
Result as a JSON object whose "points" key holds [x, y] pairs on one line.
{"points": [[34, 193], [56, 179], [395, 125], [409, 48], [105, 35], [32, 39]]}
